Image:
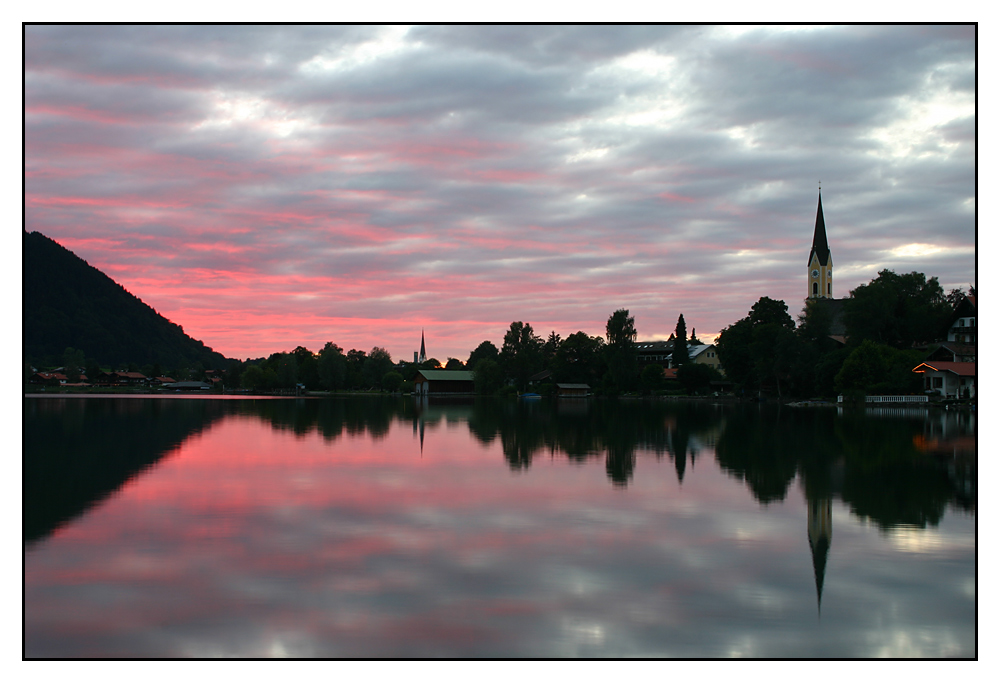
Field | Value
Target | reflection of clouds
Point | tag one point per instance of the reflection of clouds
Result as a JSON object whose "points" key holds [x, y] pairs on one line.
{"points": [[455, 557], [916, 540], [922, 643]]}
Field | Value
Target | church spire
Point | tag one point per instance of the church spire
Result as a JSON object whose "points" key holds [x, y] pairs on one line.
{"points": [[820, 529], [820, 246], [819, 279], [423, 351]]}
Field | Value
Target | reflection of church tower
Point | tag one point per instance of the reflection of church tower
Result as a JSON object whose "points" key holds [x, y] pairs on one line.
{"points": [[423, 351], [820, 276], [820, 523]]}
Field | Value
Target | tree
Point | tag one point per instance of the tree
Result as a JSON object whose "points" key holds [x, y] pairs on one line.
{"points": [[749, 355], [680, 355], [898, 310], [331, 367], [484, 350], [580, 359], [696, 378], [651, 378], [391, 381], [621, 329], [454, 364], [308, 370], [768, 310], [355, 366], [252, 378], [376, 365], [521, 355], [623, 362], [733, 346], [487, 376], [287, 369], [879, 369], [551, 347]]}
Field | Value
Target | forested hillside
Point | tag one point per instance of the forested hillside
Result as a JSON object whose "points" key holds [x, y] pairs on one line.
{"points": [[69, 303]]}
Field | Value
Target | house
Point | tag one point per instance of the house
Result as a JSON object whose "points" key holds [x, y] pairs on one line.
{"points": [[953, 352], [949, 379], [187, 386], [569, 390], [662, 353], [121, 378], [48, 378], [539, 377], [705, 354], [428, 382], [963, 322], [658, 352]]}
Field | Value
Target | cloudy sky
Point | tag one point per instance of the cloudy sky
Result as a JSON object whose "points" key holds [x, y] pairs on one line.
{"points": [[266, 187]]}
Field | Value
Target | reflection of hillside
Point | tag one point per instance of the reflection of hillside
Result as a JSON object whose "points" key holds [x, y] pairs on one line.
{"points": [[77, 452]]}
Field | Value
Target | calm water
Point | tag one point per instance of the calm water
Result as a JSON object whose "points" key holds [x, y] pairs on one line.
{"points": [[393, 528]]}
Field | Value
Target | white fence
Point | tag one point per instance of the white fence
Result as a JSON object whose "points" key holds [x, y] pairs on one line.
{"points": [[890, 399]]}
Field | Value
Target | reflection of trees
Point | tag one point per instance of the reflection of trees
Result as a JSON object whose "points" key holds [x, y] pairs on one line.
{"points": [[886, 478], [583, 429], [759, 449], [77, 452], [330, 417], [871, 462]]}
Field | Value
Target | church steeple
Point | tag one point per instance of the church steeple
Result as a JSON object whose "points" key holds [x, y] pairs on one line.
{"points": [[423, 351], [820, 529], [820, 275]]}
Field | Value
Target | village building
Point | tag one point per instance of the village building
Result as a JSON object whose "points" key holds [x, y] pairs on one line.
{"points": [[662, 352], [949, 379], [572, 390], [443, 382], [963, 323]]}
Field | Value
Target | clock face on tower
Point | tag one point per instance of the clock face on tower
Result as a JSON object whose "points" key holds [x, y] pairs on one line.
{"points": [[815, 273]]}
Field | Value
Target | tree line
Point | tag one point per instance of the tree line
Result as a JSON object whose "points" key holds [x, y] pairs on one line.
{"points": [[888, 323]]}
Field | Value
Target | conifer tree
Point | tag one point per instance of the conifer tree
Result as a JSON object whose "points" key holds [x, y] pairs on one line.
{"points": [[680, 355]]}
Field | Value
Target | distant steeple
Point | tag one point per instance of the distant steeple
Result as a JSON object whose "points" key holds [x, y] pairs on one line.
{"points": [[423, 350]]}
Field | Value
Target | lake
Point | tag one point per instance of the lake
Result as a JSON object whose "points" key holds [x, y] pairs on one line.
{"points": [[402, 527]]}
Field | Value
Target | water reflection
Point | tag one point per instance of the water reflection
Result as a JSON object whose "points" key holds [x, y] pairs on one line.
{"points": [[78, 452], [395, 527], [892, 469]]}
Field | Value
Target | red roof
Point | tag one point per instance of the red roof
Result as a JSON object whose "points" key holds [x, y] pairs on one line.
{"points": [[960, 369]]}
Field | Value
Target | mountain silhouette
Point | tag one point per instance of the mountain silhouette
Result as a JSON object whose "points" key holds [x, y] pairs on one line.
{"points": [[69, 303]]}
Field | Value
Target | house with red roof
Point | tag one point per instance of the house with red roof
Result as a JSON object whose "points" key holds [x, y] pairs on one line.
{"points": [[949, 378]]}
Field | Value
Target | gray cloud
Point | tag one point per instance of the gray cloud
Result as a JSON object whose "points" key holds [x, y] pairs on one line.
{"points": [[558, 153]]}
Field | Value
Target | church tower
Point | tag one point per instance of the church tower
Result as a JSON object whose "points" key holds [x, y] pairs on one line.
{"points": [[423, 351], [820, 275]]}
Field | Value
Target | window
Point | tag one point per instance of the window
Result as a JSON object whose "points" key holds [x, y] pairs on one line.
{"points": [[815, 288], [829, 289]]}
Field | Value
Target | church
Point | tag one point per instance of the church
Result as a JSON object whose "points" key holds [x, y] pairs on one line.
{"points": [[819, 277]]}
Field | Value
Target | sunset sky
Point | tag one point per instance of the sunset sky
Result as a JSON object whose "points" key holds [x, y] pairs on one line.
{"points": [[269, 187]]}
